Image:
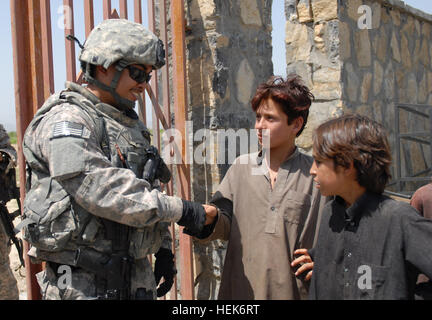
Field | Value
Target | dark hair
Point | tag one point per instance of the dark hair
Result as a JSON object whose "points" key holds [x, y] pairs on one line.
{"points": [[294, 97], [359, 139]]}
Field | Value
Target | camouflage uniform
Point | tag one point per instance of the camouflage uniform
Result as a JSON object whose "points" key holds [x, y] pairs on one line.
{"points": [[8, 283], [79, 181]]}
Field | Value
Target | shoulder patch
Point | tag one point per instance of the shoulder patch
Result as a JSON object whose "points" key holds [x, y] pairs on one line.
{"points": [[69, 129]]}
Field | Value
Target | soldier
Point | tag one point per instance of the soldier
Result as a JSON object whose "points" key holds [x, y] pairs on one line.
{"points": [[90, 213], [8, 283]]}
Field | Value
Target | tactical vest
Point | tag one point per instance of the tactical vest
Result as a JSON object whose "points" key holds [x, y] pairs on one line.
{"points": [[47, 216]]}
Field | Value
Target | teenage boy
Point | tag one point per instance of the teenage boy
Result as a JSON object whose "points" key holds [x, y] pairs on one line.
{"points": [[369, 246], [267, 206]]}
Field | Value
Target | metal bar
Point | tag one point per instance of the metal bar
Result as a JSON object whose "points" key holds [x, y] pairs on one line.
{"points": [[430, 130], [142, 108], [409, 105], [419, 173], [138, 11], [154, 80], [410, 138], [88, 16], [167, 112], [180, 103], [26, 53], [401, 195], [106, 9], [36, 53], [70, 45], [397, 147], [410, 109], [416, 134], [415, 179], [157, 109], [47, 52], [139, 19], [123, 9]]}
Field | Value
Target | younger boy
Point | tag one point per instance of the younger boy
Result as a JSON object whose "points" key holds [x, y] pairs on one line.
{"points": [[369, 246]]}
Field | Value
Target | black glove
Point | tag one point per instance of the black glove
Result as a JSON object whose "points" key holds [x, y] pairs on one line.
{"points": [[155, 167], [193, 218], [164, 267]]}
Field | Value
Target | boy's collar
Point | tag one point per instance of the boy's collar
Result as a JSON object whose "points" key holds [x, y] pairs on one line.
{"points": [[262, 152], [358, 207]]}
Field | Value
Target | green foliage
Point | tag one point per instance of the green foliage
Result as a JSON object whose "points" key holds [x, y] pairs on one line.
{"points": [[12, 137]]}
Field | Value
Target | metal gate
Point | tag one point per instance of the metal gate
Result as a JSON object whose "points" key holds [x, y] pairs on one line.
{"points": [[422, 137], [34, 82]]}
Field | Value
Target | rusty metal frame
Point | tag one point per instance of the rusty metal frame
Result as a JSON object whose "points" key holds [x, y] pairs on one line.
{"points": [[424, 137], [34, 82]]}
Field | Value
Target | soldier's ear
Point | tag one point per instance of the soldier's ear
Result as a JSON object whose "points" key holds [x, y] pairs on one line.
{"points": [[101, 69]]}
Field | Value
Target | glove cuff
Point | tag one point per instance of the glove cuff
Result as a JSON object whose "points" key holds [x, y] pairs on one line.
{"points": [[164, 253], [193, 217]]}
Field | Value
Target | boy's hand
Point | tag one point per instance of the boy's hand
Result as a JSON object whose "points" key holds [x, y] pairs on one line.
{"points": [[211, 213], [305, 262]]}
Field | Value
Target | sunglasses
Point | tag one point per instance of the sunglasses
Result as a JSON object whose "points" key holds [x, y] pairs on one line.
{"points": [[138, 75]]}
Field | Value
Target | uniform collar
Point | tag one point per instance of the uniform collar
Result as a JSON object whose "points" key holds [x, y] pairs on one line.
{"points": [[129, 118]]}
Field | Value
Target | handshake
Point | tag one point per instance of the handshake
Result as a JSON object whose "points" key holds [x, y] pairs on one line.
{"points": [[196, 217]]}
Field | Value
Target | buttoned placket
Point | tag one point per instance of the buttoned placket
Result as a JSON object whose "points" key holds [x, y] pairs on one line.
{"points": [[271, 218], [349, 259]]}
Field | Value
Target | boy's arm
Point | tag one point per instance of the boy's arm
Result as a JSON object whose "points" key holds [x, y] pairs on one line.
{"points": [[221, 209]]}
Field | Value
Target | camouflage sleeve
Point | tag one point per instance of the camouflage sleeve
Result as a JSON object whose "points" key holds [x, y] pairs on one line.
{"points": [[166, 238], [76, 161], [5, 145]]}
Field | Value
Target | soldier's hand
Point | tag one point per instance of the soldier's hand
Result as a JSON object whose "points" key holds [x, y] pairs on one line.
{"points": [[164, 267]]}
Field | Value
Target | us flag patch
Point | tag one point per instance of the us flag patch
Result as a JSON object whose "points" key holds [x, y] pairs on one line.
{"points": [[68, 129]]}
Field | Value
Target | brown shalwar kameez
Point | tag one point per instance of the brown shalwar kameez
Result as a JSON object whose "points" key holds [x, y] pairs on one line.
{"points": [[267, 226]]}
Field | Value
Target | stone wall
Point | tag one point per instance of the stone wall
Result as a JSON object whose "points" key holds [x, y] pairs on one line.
{"points": [[386, 64], [312, 51], [364, 60], [228, 54]]}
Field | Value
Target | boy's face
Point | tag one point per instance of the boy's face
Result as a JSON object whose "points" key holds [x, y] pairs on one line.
{"points": [[331, 180], [270, 119]]}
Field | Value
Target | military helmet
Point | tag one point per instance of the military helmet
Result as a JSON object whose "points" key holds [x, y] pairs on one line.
{"points": [[116, 40], [119, 42]]}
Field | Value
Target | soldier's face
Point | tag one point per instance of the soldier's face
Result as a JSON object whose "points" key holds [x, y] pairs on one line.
{"points": [[127, 87]]}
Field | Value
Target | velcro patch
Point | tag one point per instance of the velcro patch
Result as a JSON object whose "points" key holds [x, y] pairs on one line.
{"points": [[68, 129]]}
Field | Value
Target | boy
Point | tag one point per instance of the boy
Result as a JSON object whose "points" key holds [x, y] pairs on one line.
{"points": [[266, 214], [369, 246]]}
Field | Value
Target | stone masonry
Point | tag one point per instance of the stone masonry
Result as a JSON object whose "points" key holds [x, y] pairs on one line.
{"points": [[364, 56]]}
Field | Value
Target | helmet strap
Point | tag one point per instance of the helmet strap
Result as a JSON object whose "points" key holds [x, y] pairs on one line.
{"points": [[122, 103]]}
